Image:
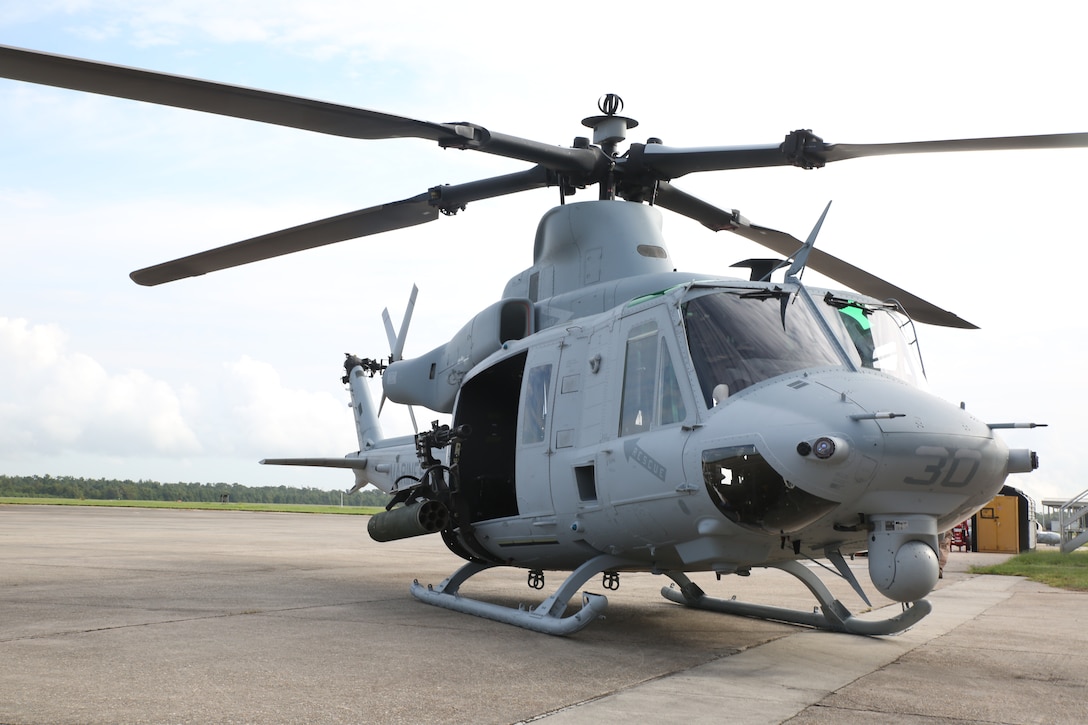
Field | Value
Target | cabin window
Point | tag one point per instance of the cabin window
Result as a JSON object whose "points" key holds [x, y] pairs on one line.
{"points": [[652, 250], [651, 387], [537, 382], [639, 378]]}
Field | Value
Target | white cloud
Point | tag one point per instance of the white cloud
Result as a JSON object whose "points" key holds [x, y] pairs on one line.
{"points": [[60, 403], [57, 400], [272, 419]]}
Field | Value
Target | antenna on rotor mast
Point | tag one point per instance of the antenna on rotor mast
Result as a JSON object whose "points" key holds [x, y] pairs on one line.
{"points": [[608, 131]]}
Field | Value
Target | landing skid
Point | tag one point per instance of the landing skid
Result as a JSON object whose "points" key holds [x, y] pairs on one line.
{"points": [[546, 617], [833, 615]]}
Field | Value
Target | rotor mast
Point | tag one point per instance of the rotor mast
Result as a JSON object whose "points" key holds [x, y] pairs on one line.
{"points": [[608, 131]]}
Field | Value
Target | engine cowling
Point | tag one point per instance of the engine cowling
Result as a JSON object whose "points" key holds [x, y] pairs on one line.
{"points": [[432, 380]]}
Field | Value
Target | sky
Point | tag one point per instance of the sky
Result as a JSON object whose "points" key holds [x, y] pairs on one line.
{"points": [[198, 380]]}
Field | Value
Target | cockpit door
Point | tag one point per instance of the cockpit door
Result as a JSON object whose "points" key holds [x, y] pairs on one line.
{"points": [[654, 404]]}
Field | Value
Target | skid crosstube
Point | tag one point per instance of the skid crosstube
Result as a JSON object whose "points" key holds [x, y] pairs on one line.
{"points": [[833, 615], [546, 617]]}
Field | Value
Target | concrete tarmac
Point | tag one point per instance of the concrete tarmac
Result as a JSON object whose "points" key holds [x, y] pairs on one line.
{"points": [[172, 616]]}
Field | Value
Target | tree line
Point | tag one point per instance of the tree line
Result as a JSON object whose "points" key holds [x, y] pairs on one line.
{"points": [[71, 487]]}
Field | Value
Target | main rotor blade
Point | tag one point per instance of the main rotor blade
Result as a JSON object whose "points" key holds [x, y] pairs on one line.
{"points": [[855, 278], [803, 149], [668, 162], [365, 222], [195, 94], [843, 151]]}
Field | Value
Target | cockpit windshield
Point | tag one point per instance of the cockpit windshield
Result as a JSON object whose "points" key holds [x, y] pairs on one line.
{"points": [[738, 337], [877, 336]]}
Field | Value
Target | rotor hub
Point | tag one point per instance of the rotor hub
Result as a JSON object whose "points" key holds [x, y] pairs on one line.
{"points": [[609, 129]]}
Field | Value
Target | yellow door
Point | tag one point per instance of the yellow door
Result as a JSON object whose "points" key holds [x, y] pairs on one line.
{"points": [[998, 529]]}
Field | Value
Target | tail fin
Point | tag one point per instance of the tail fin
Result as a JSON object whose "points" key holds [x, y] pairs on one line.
{"points": [[380, 461], [367, 428]]}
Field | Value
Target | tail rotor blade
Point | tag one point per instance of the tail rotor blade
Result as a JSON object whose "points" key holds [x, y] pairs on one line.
{"points": [[389, 333], [396, 343]]}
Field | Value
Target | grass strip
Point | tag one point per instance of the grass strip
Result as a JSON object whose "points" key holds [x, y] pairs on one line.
{"points": [[1053, 568], [202, 505]]}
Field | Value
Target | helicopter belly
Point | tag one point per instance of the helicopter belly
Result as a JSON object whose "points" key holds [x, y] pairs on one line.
{"points": [[532, 542]]}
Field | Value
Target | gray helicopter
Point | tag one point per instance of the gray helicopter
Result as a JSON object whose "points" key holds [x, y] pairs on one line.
{"points": [[611, 414]]}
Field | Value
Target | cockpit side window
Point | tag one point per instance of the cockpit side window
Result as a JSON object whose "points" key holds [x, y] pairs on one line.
{"points": [[672, 400], [739, 337], [639, 377], [893, 351], [651, 394], [878, 336], [861, 333]]}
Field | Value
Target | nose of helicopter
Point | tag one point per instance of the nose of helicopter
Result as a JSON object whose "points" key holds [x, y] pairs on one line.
{"points": [[853, 446], [888, 446]]}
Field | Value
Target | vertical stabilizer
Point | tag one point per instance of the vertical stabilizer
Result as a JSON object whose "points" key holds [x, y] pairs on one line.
{"points": [[367, 428], [380, 461]]}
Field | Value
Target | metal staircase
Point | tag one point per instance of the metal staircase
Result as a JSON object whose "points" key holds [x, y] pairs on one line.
{"points": [[1070, 522]]}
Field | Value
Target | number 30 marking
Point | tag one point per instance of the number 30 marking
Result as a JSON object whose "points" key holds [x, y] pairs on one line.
{"points": [[964, 466]]}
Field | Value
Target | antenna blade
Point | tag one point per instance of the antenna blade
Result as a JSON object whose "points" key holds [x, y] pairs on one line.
{"points": [[816, 229], [800, 258]]}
